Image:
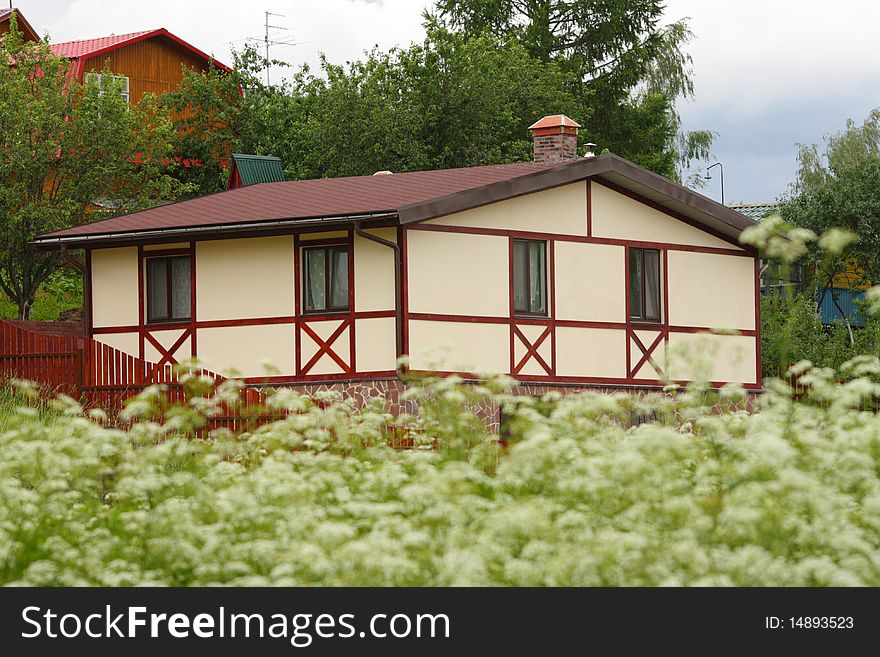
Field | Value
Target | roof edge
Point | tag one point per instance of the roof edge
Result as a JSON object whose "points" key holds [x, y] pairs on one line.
{"points": [[607, 164], [51, 241], [149, 34]]}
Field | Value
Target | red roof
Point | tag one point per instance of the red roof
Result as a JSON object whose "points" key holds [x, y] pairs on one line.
{"points": [[86, 48], [304, 199]]}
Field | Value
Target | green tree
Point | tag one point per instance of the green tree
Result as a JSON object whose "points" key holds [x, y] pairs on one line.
{"points": [[451, 101], [836, 193], [214, 113], [635, 67], [63, 146]]}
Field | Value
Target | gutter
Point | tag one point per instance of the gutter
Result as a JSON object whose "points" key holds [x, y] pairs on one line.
{"points": [[78, 241], [398, 300]]}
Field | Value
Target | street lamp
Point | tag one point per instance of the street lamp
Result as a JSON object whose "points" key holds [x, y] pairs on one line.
{"points": [[709, 177]]}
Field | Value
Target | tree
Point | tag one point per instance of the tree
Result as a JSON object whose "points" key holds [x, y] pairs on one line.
{"points": [[214, 112], [635, 67], [450, 101], [836, 193], [63, 146]]}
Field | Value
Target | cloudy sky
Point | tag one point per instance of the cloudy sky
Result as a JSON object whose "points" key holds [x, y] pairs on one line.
{"points": [[769, 73]]}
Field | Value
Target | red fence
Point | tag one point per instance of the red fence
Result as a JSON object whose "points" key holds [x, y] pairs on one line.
{"points": [[103, 377]]}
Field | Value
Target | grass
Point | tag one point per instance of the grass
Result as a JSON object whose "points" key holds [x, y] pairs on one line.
{"points": [[62, 291]]}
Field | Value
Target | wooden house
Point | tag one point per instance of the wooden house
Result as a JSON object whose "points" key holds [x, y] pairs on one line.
{"points": [[565, 272], [6, 15], [150, 61]]}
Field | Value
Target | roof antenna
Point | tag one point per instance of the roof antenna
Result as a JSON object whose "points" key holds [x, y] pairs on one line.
{"points": [[266, 38]]}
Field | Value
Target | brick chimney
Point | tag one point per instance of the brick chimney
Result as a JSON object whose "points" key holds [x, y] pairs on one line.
{"points": [[555, 138]]}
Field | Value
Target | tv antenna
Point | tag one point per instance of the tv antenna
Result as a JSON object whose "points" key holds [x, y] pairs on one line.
{"points": [[267, 41]]}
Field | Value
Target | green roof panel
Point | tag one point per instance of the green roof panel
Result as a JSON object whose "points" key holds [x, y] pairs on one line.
{"points": [[253, 169]]}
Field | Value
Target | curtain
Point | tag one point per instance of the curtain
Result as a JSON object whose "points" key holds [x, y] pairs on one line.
{"points": [[339, 279], [652, 285], [635, 284], [520, 277], [316, 284], [157, 289], [180, 288], [537, 269]]}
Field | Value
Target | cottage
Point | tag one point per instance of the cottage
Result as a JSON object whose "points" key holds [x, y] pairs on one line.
{"points": [[566, 271]]}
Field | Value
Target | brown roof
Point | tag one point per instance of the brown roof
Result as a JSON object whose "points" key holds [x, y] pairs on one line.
{"points": [[400, 198], [306, 199]]}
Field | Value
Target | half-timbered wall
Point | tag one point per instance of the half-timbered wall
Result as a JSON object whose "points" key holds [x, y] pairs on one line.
{"points": [[457, 285], [246, 295], [460, 293]]}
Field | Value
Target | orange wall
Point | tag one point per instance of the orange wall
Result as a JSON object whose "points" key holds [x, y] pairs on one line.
{"points": [[152, 66]]}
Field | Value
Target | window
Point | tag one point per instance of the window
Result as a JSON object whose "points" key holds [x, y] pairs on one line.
{"points": [[644, 285], [102, 81], [529, 277], [325, 279], [168, 289]]}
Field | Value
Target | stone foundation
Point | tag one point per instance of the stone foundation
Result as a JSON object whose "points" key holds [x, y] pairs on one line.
{"points": [[390, 391]]}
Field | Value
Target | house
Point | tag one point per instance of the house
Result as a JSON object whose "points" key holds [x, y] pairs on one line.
{"points": [[150, 61], [564, 272], [28, 33]]}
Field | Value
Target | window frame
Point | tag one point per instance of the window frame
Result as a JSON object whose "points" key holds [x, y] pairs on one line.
{"points": [[99, 79], [644, 318], [149, 319], [328, 249], [545, 291]]}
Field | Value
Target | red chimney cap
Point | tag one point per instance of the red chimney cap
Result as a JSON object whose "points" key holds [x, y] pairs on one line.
{"points": [[555, 121]]}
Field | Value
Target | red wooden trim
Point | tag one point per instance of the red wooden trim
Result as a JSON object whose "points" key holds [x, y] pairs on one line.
{"points": [[672, 213], [352, 345], [610, 241], [511, 302], [404, 285], [167, 253], [532, 350], [665, 273], [323, 241], [759, 370], [88, 314], [646, 353], [589, 208], [627, 318], [552, 248], [297, 277], [192, 299], [324, 347], [706, 329], [580, 380], [141, 301], [253, 321], [320, 378]]}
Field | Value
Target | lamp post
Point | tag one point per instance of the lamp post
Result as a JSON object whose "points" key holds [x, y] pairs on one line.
{"points": [[709, 177]]}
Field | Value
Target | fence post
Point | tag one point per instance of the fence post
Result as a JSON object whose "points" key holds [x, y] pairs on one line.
{"points": [[79, 364]]}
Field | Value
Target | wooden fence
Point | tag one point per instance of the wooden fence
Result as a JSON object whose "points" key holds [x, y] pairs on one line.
{"points": [[100, 376]]}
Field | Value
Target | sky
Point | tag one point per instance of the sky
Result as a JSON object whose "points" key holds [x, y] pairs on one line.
{"points": [[769, 74]]}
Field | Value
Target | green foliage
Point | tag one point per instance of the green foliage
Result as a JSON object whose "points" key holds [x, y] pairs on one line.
{"points": [[707, 494], [634, 67], [836, 194], [60, 292], [63, 146], [450, 101]]}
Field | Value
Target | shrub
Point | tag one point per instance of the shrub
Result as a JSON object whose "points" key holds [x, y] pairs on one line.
{"points": [[706, 493]]}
